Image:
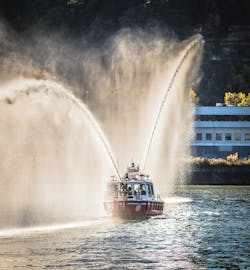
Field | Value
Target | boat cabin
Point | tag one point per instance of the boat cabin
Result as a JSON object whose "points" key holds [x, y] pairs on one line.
{"points": [[137, 190], [140, 189]]}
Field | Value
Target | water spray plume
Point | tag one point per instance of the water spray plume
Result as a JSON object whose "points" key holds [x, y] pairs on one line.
{"points": [[55, 157], [12, 91], [197, 42]]}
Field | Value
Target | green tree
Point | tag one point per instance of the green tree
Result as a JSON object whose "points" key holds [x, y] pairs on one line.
{"points": [[245, 101], [72, 2], [193, 97], [237, 99]]}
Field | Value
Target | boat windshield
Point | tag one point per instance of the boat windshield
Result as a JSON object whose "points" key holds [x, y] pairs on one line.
{"points": [[136, 190]]}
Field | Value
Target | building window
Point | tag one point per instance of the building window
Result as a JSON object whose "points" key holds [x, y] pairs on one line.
{"points": [[198, 136], [218, 136], [208, 136], [228, 137], [247, 136], [237, 136]]}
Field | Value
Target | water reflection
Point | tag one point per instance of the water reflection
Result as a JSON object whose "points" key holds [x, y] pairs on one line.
{"points": [[208, 229]]}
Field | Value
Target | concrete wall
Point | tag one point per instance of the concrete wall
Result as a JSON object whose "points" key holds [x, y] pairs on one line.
{"points": [[220, 175]]}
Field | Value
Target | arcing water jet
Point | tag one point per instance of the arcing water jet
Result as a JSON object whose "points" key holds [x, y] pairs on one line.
{"points": [[11, 92], [144, 120], [196, 42], [54, 158], [51, 147]]}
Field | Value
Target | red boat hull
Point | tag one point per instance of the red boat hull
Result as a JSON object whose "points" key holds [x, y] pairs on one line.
{"points": [[134, 209]]}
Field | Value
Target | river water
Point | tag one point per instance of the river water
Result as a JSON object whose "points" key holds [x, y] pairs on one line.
{"points": [[203, 227]]}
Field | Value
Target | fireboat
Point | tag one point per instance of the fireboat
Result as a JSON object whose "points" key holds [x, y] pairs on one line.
{"points": [[132, 196]]}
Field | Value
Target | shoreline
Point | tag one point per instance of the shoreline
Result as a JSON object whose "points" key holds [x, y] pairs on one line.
{"points": [[233, 174]]}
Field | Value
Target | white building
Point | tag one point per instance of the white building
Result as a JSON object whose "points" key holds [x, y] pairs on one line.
{"points": [[221, 130]]}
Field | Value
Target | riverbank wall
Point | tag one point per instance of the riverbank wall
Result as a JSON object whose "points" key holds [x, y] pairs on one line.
{"points": [[219, 175]]}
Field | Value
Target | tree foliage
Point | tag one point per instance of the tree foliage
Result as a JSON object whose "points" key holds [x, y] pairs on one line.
{"points": [[226, 63], [193, 96], [73, 2], [237, 99]]}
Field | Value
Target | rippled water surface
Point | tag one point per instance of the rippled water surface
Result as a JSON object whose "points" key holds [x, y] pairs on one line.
{"points": [[202, 228]]}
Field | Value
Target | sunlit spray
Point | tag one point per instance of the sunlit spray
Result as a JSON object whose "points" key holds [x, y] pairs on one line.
{"points": [[53, 154], [55, 158]]}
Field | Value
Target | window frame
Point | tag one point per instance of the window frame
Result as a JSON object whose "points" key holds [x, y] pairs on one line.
{"points": [[237, 136], [197, 135], [209, 136], [218, 136], [228, 136], [247, 136]]}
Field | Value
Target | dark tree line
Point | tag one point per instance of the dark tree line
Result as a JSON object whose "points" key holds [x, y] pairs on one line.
{"points": [[224, 25], [211, 17]]}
